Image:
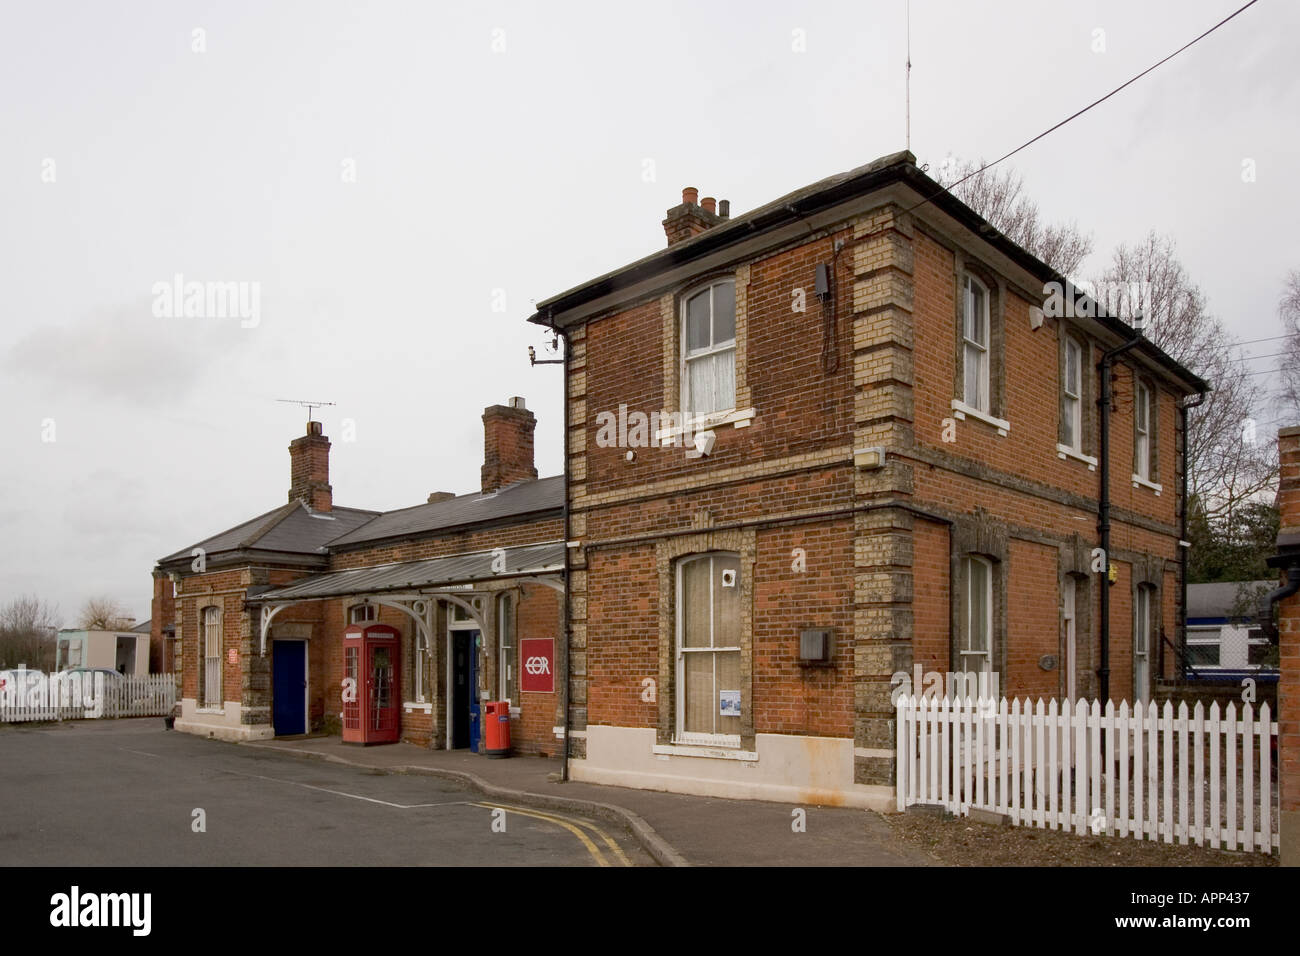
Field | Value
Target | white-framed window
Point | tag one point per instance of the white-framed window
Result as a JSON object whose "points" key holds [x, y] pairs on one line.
{"points": [[461, 616], [708, 649], [507, 669], [975, 344], [419, 681], [708, 335], [363, 613], [1069, 621], [1142, 644], [1072, 389], [1142, 429], [1204, 646], [977, 643], [210, 693]]}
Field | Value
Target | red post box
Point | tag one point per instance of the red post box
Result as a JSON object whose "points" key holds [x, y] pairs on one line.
{"points": [[496, 728], [370, 685]]}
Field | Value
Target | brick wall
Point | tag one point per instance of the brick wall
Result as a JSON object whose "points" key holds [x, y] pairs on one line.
{"points": [[1288, 688], [882, 578]]}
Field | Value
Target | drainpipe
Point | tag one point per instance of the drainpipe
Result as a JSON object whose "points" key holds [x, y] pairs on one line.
{"points": [[1285, 591], [568, 667], [1103, 505], [1183, 544], [1288, 558]]}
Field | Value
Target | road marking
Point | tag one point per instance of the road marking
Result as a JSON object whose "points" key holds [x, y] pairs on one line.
{"points": [[564, 822], [142, 753], [568, 823], [351, 796]]}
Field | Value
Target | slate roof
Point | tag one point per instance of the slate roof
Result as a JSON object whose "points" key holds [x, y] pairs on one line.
{"points": [[291, 528], [512, 501], [1216, 600], [818, 196], [445, 571]]}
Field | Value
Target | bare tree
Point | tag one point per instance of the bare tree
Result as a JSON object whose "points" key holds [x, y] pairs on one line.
{"points": [[1289, 379], [28, 629], [998, 196], [1229, 464], [103, 614]]}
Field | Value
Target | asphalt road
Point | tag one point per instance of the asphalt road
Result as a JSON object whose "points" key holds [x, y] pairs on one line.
{"points": [[126, 792]]}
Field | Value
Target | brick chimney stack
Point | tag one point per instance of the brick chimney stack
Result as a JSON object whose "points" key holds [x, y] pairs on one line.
{"points": [[309, 469], [690, 219], [507, 445]]}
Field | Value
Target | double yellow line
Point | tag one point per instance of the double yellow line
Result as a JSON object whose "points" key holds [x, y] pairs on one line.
{"points": [[572, 824]]}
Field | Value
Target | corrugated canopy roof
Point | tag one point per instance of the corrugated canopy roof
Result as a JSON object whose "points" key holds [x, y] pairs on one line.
{"points": [[417, 575]]}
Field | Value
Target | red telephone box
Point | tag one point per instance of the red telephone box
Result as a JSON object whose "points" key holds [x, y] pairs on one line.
{"points": [[370, 660]]}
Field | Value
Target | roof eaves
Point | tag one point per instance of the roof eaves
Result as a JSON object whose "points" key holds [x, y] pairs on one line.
{"points": [[900, 167]]}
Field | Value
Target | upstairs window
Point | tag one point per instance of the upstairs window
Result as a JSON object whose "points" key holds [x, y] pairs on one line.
{"points": [[1142, 431], [1072, 405], [362, 613], [975, 339], [709, 350]]}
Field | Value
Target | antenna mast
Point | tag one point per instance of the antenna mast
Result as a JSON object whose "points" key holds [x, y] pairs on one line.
{"points": [[908, 81], [308, 405]]}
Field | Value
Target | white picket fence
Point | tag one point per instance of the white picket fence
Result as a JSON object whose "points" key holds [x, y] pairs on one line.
{"points": [[58, 697], [1195, 775]]}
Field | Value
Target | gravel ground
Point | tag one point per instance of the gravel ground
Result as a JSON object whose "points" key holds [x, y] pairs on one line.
{"points": [[964, 842]]}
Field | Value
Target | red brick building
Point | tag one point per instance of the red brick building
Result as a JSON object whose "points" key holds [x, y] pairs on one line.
{"points": [[812, 450], [260, 610]]}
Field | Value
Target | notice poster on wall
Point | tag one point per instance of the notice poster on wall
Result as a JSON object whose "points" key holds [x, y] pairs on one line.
{"points": [[729, 703], [538, 657]]}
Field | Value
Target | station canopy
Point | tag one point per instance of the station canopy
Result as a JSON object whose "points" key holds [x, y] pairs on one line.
{"points": [[451, 571]]}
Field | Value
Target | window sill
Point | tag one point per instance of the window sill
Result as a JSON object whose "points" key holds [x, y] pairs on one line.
{"points": [[718, 751], [1142, 482], [736, 417], [963, 411], [1064, 451], [413, 705]]}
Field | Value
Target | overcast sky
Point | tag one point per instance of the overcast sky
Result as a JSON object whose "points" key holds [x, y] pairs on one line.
{"points": [[402, 180]]}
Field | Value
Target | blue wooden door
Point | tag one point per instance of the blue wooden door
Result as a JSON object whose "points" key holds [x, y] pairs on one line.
{"points": [[289, 687], [474, 705]]}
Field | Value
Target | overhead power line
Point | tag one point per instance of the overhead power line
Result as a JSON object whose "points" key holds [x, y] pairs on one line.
{"points": [[1096, 102]]}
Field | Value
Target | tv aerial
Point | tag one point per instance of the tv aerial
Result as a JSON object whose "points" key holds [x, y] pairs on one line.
{"points": [[308, 405]]}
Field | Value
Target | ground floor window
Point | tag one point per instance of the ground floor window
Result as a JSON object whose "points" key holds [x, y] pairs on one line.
{"points": [[1069, 622], [1142, 644], [708, 649], [210, 693], [507, 671], [977, 646]]}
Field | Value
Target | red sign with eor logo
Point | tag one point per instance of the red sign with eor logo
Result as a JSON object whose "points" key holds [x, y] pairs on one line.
{"points": [[537, 665]]}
